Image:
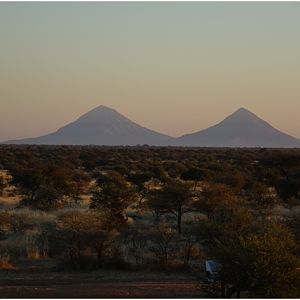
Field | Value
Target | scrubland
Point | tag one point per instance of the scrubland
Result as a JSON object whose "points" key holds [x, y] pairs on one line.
{"points": [[142, 221]]}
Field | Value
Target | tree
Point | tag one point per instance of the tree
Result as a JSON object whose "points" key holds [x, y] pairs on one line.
{"points": [[140, 180], [79, 185], [70, 234], [4, 224], [45, 185], [195, 174], [134, 240], [114, 194], [47, 198], [155, 204], [261, 198], [20, 223], [76, 232], [229, 221], [177, 196], [212, 196], [164, 242], [2, 184], [263, 264], [174, 168], [110, 176], [293, 224], [233, 178], [29, 180], [101, 232], [159, 171], [287, 184], [58, 177]]}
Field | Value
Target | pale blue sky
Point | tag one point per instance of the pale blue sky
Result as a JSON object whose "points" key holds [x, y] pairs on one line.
{"points": [[174, 67]]}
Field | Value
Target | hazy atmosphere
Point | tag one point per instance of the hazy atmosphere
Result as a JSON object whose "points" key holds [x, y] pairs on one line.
{"points": [[173, 67]]}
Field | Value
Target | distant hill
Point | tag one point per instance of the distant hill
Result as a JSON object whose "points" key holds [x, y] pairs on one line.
{"points": [[241, 129], [105, 126], [100, 126]]}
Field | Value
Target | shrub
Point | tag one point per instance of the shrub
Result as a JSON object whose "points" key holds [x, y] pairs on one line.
{"points": [[163, 244], [115, 259], [20, 223], [83, 263], [134, 241], [2, 184], [4, 224], [41, 204]]}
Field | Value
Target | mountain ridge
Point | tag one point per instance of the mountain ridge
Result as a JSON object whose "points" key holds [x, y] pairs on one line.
{"points": [[240, 129], [100, 126], [105, 126]]}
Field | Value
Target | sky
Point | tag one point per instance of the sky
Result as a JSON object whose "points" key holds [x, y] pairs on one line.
{"points": [[173, 67]]}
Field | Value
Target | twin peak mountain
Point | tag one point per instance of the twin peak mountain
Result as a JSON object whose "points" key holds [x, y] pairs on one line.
{"points": [[105, 126]]}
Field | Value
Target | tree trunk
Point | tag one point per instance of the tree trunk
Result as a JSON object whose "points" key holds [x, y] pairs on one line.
{"points": [[179, 220], [100, 262], [195, 186]]}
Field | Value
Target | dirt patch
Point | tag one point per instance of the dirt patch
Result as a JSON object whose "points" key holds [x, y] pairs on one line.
{"points": [[100, 288]]}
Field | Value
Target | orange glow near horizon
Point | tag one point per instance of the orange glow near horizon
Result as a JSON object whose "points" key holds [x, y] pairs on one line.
{"points": [[175, 68]]}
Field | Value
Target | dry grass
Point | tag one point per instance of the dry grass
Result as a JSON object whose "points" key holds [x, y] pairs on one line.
{"points": [[9, 203], [285, 212], [33, 253], [22, 248], [5, 263]]}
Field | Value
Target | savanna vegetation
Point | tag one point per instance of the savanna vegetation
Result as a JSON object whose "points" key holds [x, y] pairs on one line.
{"points": [[155, 209]]}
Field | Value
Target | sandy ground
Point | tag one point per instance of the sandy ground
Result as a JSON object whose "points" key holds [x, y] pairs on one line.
{"points": [[100, 288]]}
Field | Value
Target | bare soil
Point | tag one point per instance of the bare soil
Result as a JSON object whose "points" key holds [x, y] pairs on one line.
{"points": [[99, 288]]}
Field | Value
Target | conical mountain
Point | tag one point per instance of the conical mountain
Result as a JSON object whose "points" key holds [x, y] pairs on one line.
{"points": [[100, 126], [241, 129]]}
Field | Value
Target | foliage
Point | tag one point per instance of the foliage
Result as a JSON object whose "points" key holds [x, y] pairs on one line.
{"points": [[2, 184], [159, 171], [29, 180], [45, 185], [211, 196], [261, 198], [229, 187], [114, 194], [230, 221], [140, 180], [231, 177], [176, 197], [79, 185], [195, 174], [20, 223], [4, 224], [155, 204], [102, 232], [287, 184], [262, 265], [77, 232], [69, 235], [135, 240], [164, 242]]}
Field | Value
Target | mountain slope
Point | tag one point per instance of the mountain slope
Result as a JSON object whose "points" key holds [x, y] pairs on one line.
{"points": [[100, 126], [105, 126], [241, 129]]}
